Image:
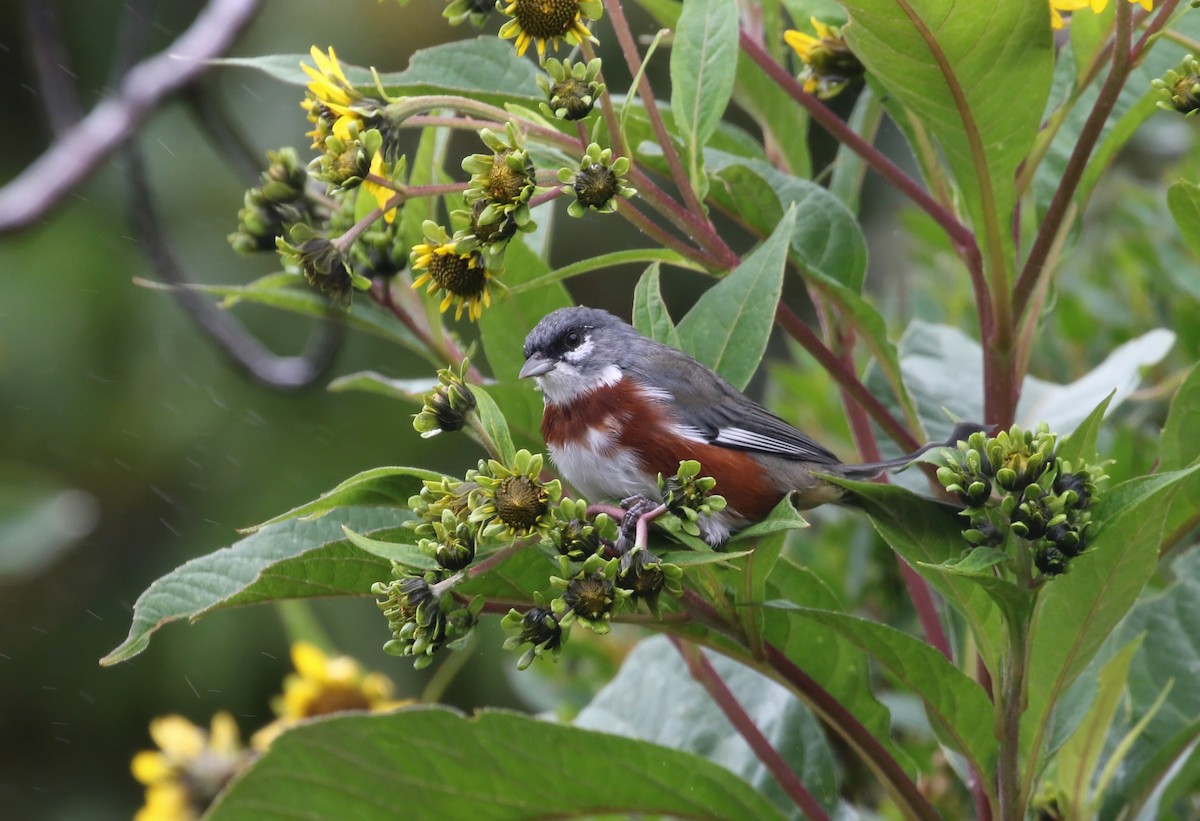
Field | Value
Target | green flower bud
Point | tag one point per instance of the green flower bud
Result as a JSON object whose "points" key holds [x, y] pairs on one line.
{"points": [[1050, 561], [646, 576], [447, 407], [572, 89], [537, 627]]}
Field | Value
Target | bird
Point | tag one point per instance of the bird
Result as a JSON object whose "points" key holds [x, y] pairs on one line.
{"points": [[620, 409]]}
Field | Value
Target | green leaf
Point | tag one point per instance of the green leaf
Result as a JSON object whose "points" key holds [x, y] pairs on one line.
{"points": [[485, 68], [505, 325], [1075, 762], [782, 517], [697, 558], [958, 708], [946, 62], [1081, 444], [1013, 602], [1183, 198], [775, 112], [834, 663], [408, 555], [728, 327], [1178, 445], [976, 562], [934, 357], [650, 315], [390, 486], [703, 64], [287, 292], [1095, 594], [600, 261], [292, 559], [502, 767], [827, 239], [1170, 653], [925, 534], [408, 390], [655, 699], [494, 425]]}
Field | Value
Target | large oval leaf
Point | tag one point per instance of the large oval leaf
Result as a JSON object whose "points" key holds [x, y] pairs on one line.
{"points": [[495, 766], [977, 74], [728, 327], [292, 559]]}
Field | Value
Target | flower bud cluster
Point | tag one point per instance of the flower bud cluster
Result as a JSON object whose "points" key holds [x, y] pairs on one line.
{"points": [[1013, 486], [594, 583], [1180, 90], [446, 408], [422, 615], [278, 202], [321, 262], [689, 496], [597, 182], [571, 88]]}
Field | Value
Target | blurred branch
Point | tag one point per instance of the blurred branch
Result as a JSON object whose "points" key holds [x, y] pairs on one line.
{"points": [[222, 132], [52, 66], [75, 155], [246, 351]]}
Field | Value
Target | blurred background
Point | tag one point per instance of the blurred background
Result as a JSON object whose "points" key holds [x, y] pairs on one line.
{"points": [[130, 445]]}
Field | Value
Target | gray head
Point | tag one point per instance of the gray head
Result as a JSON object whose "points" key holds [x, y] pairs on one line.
{"points": [[575, 350]]}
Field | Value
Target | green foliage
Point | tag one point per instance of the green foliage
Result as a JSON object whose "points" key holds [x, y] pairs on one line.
{"points": [[1052, 673], [352, 764]]}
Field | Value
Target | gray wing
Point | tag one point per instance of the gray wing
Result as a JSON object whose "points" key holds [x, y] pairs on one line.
{"points": [[711, 409]]}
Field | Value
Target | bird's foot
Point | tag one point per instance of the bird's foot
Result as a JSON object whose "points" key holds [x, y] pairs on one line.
{"points": [[639, 512]]}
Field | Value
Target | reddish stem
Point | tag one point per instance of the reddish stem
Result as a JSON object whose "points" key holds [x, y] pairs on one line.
{"points": [[846, 377], [707, 677]]}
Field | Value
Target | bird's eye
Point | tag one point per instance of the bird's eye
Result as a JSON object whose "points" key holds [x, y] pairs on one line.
{"points": [[573, 339]]}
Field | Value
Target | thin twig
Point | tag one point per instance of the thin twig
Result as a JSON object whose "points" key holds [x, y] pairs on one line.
{"points": [[707, 677], [75, 156]]}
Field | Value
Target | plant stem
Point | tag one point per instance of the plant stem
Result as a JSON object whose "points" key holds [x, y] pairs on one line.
{"points": [[918, 588], [1011, 701], [655, 232], [707, 676], [1089, 135], [959, 233], [698, 230], [624, 34], [615, 135], [908, 798], [846, 378]]}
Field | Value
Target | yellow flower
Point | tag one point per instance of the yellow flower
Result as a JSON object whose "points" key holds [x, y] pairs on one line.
{"points": [[323, 685], [189, 768], [1059, 6], [828, 62], [460, 272], [542, 21], [331, 97], [381, 193], [1098, 5]]}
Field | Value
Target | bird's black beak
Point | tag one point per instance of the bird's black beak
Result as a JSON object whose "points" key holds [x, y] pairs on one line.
{"points": [[536, 365]]}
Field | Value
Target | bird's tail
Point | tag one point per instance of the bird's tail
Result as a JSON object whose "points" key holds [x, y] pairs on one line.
{"points": [[870, 470]]}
